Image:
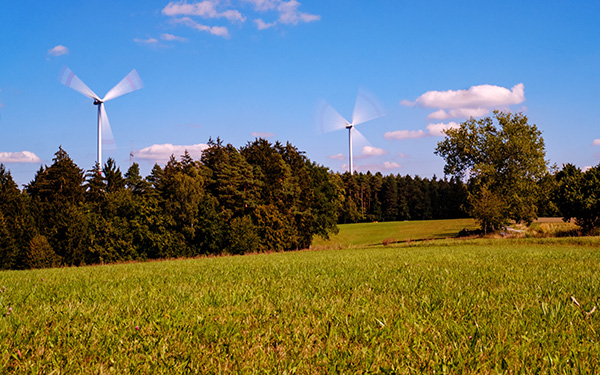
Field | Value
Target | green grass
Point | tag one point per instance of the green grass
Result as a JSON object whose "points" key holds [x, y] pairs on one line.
{"points": [[449, 306], [365, 234]]}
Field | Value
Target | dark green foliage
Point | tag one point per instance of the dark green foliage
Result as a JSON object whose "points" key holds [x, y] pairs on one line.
{"points": [[503, 158], [60, 183], [57, 195], [369, 197], [39, 254], [262, 197], [578, 195], [8, 247], [134, 181], [242, 236], [15, 222]]}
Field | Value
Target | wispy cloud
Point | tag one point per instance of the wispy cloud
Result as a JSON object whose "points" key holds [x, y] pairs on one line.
{"points": [[458, 113], [154, 42], [289, 13], [163, 152], [151, 41], [337, 157], [262, 134], [171, 37], [284, 12], [596, 142], [262, 25], [19, 157], [215, 30], [404, 134], [58, 50], [264, 5], [387, 165], [204, 9]]}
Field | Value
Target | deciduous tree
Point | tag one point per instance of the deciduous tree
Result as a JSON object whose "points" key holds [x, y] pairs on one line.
{"points": [[503, 159]]}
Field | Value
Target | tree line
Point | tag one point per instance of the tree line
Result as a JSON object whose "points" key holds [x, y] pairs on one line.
{"points": [[374, 197], [261, 197], [271, 197]]}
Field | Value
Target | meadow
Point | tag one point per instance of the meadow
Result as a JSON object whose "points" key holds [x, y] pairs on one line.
{"points": [[438, 306]]}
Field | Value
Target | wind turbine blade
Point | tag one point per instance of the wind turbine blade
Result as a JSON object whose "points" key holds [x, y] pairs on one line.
{"points": [[107, 136], [130, 83], [328, 119], [367, 107], [68, 78], [358, 140]]}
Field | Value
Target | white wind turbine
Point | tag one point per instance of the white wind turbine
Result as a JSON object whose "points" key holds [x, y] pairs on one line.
{"points": [[130, 83], [366, 108]]}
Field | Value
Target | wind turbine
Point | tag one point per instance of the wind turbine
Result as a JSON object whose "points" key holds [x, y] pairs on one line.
{"points": [[366, 108], [130, 83]]}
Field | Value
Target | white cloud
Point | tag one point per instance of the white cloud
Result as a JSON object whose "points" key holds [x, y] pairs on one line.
{"points": [[264, 5], [433, 130], [337, 157], [215, 30], [458, 113], [171, 37], [391, 165], [373, 151], [162, 153], [474, 97], [596, 142], [286, 12], [146, 41], [19, 157], [58, 50], [205, 9], [289, 13], [437, 130], [262, 134], [262, 25], [403, 156], [405, 134]]}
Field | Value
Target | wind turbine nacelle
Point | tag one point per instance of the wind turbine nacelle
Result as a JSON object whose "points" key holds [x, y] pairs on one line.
{"points": [[349, 126], [97, 102]]}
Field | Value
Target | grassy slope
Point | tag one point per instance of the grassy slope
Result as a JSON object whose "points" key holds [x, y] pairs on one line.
{"points": [[365, 234], [450, 306]]}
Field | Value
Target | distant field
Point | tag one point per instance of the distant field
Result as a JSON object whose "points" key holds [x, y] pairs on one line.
{"points": [[365, 234], [449, 306]]}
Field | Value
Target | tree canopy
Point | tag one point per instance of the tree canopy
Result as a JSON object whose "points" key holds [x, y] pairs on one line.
{"points": [[503, 160], [262, 197], [578, 195]]}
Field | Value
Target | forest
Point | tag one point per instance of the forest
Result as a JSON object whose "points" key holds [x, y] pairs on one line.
{"points": [[261, 197], [258, 198]]}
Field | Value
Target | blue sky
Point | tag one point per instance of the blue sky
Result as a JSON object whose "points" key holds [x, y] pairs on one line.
{"points": [[239, 69]]}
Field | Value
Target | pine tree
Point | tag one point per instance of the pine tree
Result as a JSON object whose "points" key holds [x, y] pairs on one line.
{"points": [[57, 194]]}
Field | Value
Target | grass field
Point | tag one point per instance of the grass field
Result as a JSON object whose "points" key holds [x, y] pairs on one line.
{"points": [[444, 306], [367, 234]]}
